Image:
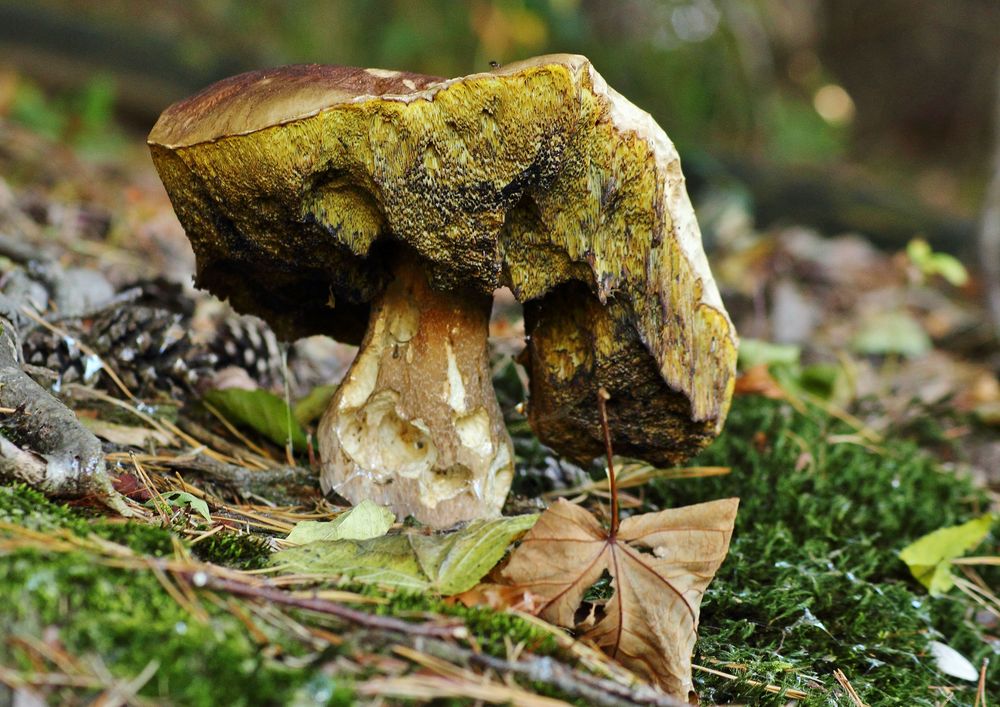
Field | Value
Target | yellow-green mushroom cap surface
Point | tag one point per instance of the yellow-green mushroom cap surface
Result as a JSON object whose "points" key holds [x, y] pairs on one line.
{"points": [[297, 185]]}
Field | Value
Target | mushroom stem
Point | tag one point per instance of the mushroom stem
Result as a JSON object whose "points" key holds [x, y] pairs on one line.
{"points": [[415, 425]]}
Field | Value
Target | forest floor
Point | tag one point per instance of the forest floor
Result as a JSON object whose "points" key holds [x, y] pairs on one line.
{"points": [[866, 417]]}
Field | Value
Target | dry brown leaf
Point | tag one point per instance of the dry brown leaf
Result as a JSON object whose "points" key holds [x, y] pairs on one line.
{"points": [[757, 380], [661, 564], [496, 596], [127, 435]]}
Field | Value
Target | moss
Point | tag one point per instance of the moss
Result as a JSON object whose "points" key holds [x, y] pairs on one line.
{"points": [[241, 551], [813, 581], [30, 509], [128, 619], [492, 629]]}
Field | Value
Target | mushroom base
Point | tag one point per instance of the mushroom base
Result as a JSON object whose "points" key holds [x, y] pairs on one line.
{"points": [[416, 425]]}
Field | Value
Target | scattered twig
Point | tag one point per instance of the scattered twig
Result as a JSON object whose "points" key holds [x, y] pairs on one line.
{"points": [[602, 398], [73, 458], [268, 483], [161, 425], [631, 474], [977, 591], [452, 680], [231, 428], [360, 618], [981, 687], [570, 681], [839, 676], [428, 688], [980, 560], [127, 692], [234, 451], [73, 672]]}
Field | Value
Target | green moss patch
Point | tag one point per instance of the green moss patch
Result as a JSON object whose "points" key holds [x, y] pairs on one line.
{"points": [[125, 619], [813, 582]]}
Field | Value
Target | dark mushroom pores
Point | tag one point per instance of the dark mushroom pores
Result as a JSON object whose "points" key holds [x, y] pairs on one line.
{"points": [[329, 199]]}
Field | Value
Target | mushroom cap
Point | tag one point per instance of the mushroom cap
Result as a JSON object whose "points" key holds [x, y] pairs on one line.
{"points": [[294, 184]]}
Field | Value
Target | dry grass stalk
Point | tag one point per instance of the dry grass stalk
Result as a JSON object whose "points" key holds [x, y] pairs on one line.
{"points": [[789, 692], [231, 428], [839, 676], [454, 681], [72, 672], [632, 474], [430, 687], [981, 687]]}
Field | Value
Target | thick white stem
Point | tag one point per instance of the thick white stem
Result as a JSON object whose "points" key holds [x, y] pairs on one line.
{"points": [[415, 425]]}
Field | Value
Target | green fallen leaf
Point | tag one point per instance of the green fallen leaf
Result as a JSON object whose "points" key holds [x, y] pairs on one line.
{"points": [[822, 380], [929, 558], [388, 559], [261, 411], [308, 409], [366, 520], [895, 332], [456, 561], [754, 352], [448, 563], [179, 499], [825, 381]]}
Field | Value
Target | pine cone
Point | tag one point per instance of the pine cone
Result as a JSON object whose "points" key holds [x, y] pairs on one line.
{"points": [[147, 347], [248, 342]]}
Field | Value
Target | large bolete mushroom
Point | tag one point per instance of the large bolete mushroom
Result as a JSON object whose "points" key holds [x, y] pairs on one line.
{"points": [[327, 198]]}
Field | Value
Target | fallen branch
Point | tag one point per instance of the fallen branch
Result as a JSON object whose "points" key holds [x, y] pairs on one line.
{"points": [[65, 459], [323, 606], [275, 484]]}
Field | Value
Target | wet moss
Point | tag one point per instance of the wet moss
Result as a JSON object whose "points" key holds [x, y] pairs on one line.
{"points": [[813, 582], [240, 551], [492, 630], [127, 619]]}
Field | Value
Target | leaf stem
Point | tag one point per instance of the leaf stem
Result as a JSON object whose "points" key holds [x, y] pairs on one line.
{"points": [[602, 397]]}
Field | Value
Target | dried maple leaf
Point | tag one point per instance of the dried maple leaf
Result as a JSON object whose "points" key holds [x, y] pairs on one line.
{"points": [[660, 563]]}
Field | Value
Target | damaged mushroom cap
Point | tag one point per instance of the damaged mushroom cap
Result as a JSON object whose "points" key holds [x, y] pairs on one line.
{"points": [[303, 189]]}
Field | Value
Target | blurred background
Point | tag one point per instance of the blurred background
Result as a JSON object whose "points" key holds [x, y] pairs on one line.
{"points": [[905, 90], [840, 153], [898, 96]]}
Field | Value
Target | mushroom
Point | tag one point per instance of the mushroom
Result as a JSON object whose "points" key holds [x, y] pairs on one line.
{"points": [[327, 198]]}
